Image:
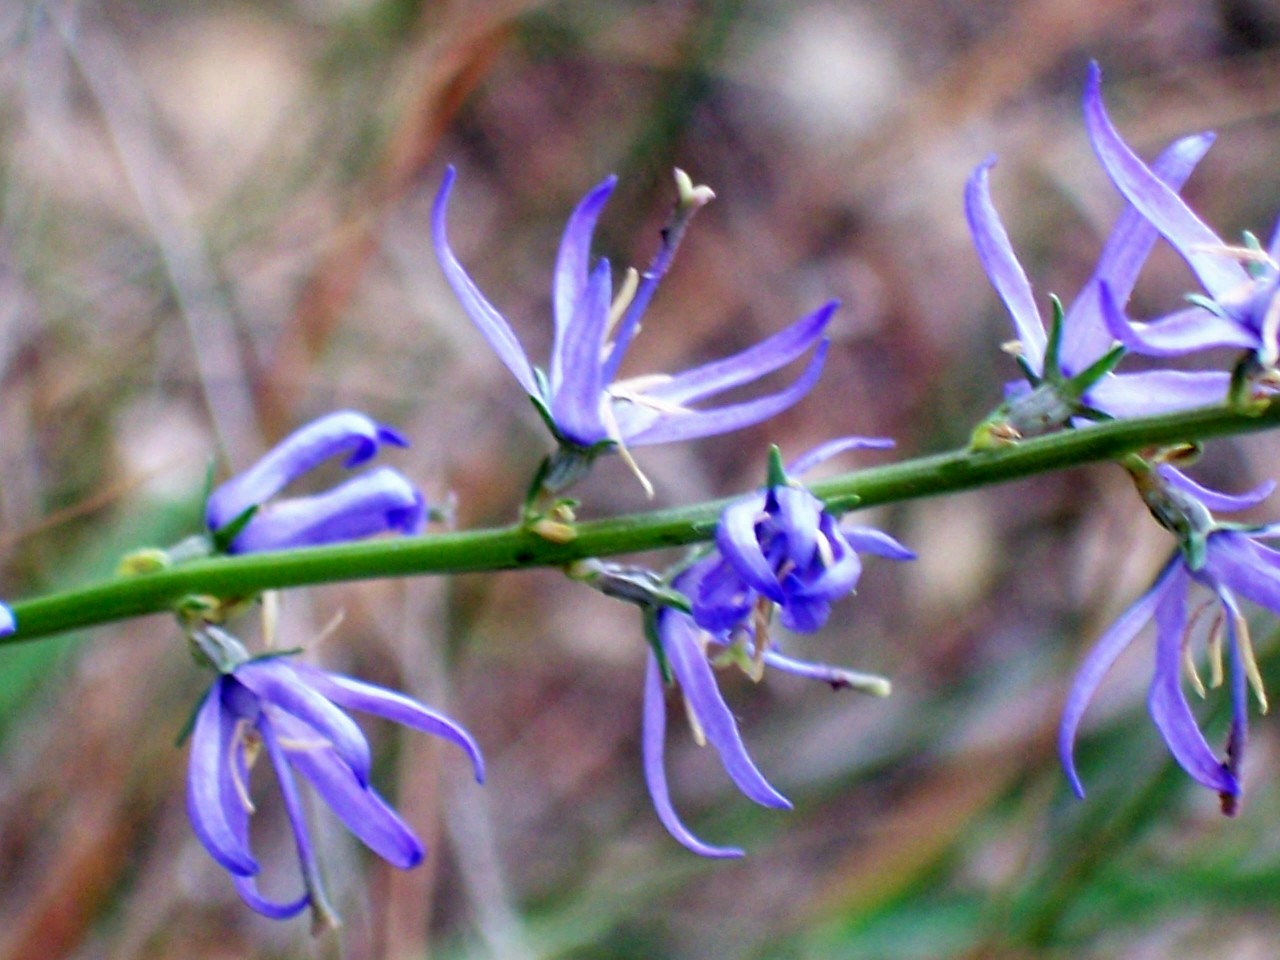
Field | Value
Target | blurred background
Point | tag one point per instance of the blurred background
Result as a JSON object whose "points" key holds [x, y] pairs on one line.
{"points": [[214, 227]]}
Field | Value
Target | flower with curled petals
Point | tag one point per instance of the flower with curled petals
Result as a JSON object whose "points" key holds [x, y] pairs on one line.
{"points": [[295, 713], [1240, 306], [1230, 562], [1070, 366], [243, 518], [586, 407], [778, 548], [781, 546]]}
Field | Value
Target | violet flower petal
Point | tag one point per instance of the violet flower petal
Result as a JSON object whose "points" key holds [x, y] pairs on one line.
{"points": [[770, 354], [1215, 499], [1156, 201], [876, 542], [799, 514], [378, 501], [311, 879], [1151, 392], [1123, 255], [570, 281], [653, 747], [1168, 703], [825, 451], [483, 314], [697, 682], [670, 428], [274, 681], [995, 252], [1248, 568], [346, 432], [357, 805], [578, 391], [1194, 328], [211, 745], [738, 541], [1102, 657], [352, 694]]}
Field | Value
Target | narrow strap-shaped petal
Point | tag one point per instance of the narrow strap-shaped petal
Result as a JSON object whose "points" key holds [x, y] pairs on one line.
{"points": [[653, 747], [1216, 500], [570, 282], [829, 581], [739, 544], [492, 325], [358, 806], [1245, 567], [698, 683], [379, 501], [1182, 332], [825, 451], [247, 887], [1148, 393], [746, 366], [1156, 201], [352, 694], [1239, 735], [876, 542], [577, 392], [275, 681], [1167, 701], [1100, 659], [798, 519], [804, 613], [207, 776], [1084, 338], [345, 432], [672, 428], [312, 882], [995, 252]]}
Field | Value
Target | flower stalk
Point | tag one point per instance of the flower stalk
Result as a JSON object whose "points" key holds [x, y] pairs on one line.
{"points": [[513, 547]]}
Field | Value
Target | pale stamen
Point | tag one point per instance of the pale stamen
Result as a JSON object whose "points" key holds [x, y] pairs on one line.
{"points": [[699, 737], [1239, 254], [626, 293], [246, 735], [1245, 646], [1270, 333], [614, 432]]}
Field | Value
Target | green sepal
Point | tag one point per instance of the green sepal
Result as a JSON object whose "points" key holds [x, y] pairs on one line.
{"points": [[184, 732], [1079, 385], [1207, 303], [224, 536], [1028, 371], [1053, 349], [1195, 549], [655, 644], [1240, 393], [1256, 269], [777, 469]]}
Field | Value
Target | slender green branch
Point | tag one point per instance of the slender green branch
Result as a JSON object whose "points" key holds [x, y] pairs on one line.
{"points": [[510, 548]]}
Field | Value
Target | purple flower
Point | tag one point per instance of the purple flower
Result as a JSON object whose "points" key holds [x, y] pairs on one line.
{"points": [[1070, 365], [690, 652], [7, 622], [780, 543], [1241, 309], [295, 713], [1229, 562], [371, 503], [587, 408]]}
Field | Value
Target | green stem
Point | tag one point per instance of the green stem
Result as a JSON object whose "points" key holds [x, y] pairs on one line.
{"points": [[512, 547]]}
